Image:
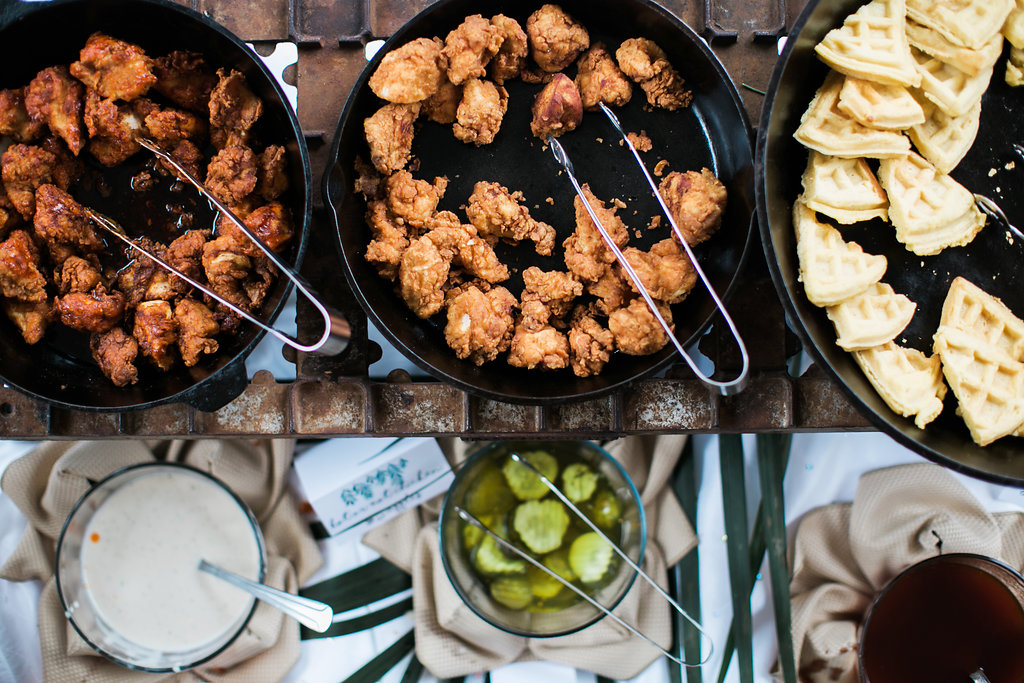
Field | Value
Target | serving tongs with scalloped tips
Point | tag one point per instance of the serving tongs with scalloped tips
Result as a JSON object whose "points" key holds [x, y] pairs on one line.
{"points": [[726, 388], [337, 331]]}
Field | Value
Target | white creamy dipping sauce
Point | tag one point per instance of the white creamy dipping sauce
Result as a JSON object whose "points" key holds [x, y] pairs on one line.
{"points": [[141, 553]]}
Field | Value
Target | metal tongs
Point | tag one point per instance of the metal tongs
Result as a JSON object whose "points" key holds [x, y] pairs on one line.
{"points": [[567, 584], [337, 331], [728, 388]]}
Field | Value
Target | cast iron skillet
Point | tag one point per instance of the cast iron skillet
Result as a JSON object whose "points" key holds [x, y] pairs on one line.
{"points": [[59, 369], [714, 132], [990, 261]]}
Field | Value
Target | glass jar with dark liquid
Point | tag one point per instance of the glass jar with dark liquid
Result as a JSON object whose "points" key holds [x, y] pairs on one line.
{"points": [[943, 619]]}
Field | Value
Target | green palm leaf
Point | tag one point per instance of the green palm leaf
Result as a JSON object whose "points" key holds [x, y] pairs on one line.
{"points": [[360, 587], [374, 670], [343, 628], [734, 507], [685, 577]]}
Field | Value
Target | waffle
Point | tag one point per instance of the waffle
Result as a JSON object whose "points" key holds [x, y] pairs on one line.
{"points": [[871, 318], [831, 269], [843, 189], [929, 210], [907, 380], [872, 44], [953, 90], [971, 24], [890, 107], [944, 140], [1013, 28], [971, 62], [825, 128], [970, 309]]}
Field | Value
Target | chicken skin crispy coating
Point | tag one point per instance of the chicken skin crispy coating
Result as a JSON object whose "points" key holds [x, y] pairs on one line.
{"points": [[555, 289], [443, 106], [463, 247], [389, 242], [197, 330], [61, 223], [611, 291], [412, 201], [156, 330], [30, 318], [234, 109], [231, 175], [646, 63], [410, 73], [142, 276], [272, 170], [77, 275], [469, 47], [479, 116], [546, 348], [389, 133], [497, 213], [590, 344], [23, 169], [557, 108], [585, 252], [272, 223], [55, 97], [95, 311], [115, 353], [185, 253], [114, 68], [183, 78], [112, 127], [556, 39], [665, 270], [635, 329], [696, 201], [508, 63], [14, 118], [189, 156], [480, 323], [170, 126], [20, 274], [599, 79]]}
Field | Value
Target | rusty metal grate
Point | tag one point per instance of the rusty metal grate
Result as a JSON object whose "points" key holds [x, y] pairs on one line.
{"points": [[335, 397]]}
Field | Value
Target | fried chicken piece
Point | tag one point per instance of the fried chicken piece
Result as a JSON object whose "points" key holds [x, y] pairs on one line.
{"points": [[635, 329], [231, 175], [390, 240], [480, 112], [272, 170], [546, 348], [55, 97], [188, 155], [667, 90], [170, 126], [77, 275], [647, 64], [368, 181], [665, 270], [612, 290], [137, 278], [443, 105], [557, 108], [14, 118], [95, 311], [410, 73], [30, 318], [61, 223], [116, 69], [20, 274], [389, 134], [469, 47], [590, 344], [696, 201], [510, 59], [156, 331], [497, 213], [9, 216], [226, 270], [443, 219], [555, 289], [412, 201], [586, 254], [272, 223], [185, 253], [23, 169], [480, 323], [599, 79], [422, 274], [113, 127], [556, 39], [183, 78], [197, 329], [463, 247], [66, 169], [642, 142], [115, 352], [234, 108]]}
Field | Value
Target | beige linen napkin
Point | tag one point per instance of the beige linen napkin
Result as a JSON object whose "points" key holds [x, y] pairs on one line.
{"points": [[49, 480], [452, 641], [844, 554]]}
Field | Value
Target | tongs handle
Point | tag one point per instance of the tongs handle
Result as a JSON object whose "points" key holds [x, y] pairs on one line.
{"points": [[337, 330]]}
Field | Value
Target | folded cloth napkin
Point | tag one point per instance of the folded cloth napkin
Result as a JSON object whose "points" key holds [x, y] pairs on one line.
{"points": [[844, 554], [47, 482], [452, 641]]}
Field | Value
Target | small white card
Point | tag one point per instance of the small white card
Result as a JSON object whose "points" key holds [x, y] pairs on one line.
{"points": [[354, 485]]}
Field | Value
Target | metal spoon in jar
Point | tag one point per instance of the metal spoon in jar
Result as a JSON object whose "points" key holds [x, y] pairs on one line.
{"points": [[312, 614]]}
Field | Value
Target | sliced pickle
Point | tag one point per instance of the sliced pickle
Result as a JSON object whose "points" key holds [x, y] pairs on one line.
{"points": [[489, 494], [578, 482], [605, 510], [590, 557], [558, 562], [543, 585], [472, 534], [490, 560], [541, 524], [512, 591], [525, 484]]}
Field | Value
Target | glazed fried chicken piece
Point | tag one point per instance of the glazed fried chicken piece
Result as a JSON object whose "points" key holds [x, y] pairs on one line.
{"points": [[231, 175], [9, 216], [412, 201], [233, 110], [590, 344], [665, 270], [497, 213], [585, 252], [112, 127], [479, 115], [23, 169], [55, 97], [557, 108], [183, 78], [30, 318], [389, 242], [599, 79], [170, 126], [646, 63], [115, 352], [469, 47], [545, 348], [510, 59], [66, 168], [189, 156], [272, 223], [114, 68], [14, 118], [696, 201], [185, 252], [480, 323], [389, 133], [228, 270], [61, 223], [443, 105], [197, 329], [142, 278], [555, 289], [77, 275], [272, 170], [635, 329], [156, 331], [95, 311], [20, 274], [410, 73], [556, 39]]}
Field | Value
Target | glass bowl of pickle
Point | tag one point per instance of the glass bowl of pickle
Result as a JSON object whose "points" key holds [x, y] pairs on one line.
{"points": [[514, 503]]}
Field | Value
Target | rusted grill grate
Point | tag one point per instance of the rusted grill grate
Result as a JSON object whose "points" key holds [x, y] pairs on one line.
{"points": [[335, 397]]}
